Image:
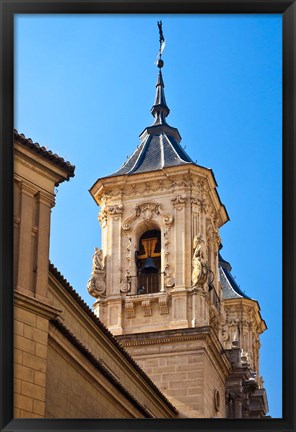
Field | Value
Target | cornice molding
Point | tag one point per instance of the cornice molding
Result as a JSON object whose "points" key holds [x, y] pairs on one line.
{"points": [[38, 307]]}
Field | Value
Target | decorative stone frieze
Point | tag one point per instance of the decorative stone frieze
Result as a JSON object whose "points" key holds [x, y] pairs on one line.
{"points": [[188, 180]]}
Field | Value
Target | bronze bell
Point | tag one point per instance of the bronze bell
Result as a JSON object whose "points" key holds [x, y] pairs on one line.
{"points": [[149, 266]]}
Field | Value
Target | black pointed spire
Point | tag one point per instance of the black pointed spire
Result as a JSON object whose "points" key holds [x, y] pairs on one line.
{"points": [[160, 143], [160, 110]]}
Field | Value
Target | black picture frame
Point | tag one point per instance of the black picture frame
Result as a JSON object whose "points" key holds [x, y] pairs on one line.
{"points": [[8, 8]]}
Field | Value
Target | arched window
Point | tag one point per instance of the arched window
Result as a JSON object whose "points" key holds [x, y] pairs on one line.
{"points": [[148, 259]]}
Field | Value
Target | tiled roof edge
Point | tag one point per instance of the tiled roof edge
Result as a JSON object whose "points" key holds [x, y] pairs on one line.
{"points": [[47, 154], [98, 365], [54, 271]]}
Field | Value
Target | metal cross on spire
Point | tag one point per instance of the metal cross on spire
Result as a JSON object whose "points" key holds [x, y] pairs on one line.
{"points": [[159, 61]]}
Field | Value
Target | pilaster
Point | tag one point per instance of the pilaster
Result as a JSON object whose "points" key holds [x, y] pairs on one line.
{"points": [[114, 318], [31, 318], [179, 318], [113, 252], [179, 203], [24, 265], [45, 203]]}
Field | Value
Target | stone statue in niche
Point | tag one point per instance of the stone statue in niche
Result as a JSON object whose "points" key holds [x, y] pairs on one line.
{"points": [[96, 285], [199, 265]]}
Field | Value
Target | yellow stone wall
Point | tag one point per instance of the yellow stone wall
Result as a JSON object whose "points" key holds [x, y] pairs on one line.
{"points": [[75, 389], [185, 369], [30, 354]]}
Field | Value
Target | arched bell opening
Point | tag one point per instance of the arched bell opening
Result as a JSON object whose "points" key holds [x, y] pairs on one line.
{"points": [[148, 262]]}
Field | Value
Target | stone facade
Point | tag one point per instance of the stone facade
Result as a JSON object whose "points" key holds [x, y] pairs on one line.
{"points": [[186, 365], [181, 203]]}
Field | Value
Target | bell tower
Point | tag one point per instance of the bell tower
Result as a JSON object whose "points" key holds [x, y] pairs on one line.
{"points": [[156, 279]]}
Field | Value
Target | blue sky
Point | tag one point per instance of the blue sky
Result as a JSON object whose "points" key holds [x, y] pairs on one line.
{"points": [[84, 87]]}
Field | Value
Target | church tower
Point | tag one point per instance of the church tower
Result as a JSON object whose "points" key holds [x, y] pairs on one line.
{"points": [[157, 278]]}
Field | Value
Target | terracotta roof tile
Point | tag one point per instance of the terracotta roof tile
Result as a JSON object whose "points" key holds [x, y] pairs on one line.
{"points": [[47, 154]]}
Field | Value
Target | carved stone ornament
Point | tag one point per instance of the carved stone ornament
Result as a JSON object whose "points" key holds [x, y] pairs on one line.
{"points": [[163, 305], [199, 265], [130, 309], [203, 205], [147, 211], [169, 281], [127, 283], [146, 306], [96, 285], [201, 202], [179, 199], [115, 209], [129, 252], [194, 200], [103, 218]]}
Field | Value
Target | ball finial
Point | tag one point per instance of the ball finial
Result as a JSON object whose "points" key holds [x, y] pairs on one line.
{"points": [[160, 63]]}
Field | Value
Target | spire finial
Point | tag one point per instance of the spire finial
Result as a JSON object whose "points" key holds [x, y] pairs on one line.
{"points": [[161, 45], [160, 109]]}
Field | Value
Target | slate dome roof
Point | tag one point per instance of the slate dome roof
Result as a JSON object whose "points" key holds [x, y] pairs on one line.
{"points": [[160, 143], [230, 288]]}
